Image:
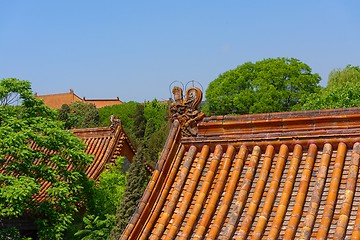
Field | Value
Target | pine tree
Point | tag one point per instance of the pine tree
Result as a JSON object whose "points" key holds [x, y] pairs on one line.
{"points": [[136, 183], [139, 121]]}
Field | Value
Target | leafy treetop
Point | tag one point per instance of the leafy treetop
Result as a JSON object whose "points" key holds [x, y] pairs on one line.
{"points": [[35, 149], [340, 77], [79, 115], [342, 91], [270, 85]]}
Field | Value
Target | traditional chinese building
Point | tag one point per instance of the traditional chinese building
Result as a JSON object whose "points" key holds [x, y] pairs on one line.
{"points": [[105, 144], [55, 101], [291, 175]]}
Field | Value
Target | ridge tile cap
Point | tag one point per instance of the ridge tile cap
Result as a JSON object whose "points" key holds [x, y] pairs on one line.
{"points": [[334, 113]]}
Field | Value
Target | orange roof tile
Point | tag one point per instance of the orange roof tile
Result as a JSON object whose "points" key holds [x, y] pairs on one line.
{"points": [[261, 176], [55, 101], [99, 103], [105, 144]]}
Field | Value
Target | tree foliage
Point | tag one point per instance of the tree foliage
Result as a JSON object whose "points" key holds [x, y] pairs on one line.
{"points": [[12, 234], [35, 149], [124, 111], [105, 195], [145, 123], [342, 91], [148, 126], [155, 112], [340, 77], [136, 182], [132, 114], [270, 85], [139, 120], [102, 199], [96, 228], [79, 115]]}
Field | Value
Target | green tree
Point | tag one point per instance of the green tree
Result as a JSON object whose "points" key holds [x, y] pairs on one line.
{"points": [[134, 116], [102, 199], [12, 234], [34, 149], [145, 124], [136, 182], [96, 228], [124, 111], [105, 195], [156, 112], [342, 91], [155, 143], [79, 115], [139, 120], [339, 77], [270, 85], [156, 130]]}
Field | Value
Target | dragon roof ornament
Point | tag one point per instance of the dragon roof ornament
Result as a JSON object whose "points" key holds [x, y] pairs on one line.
{"points": [[185, 110], [115, 122]]}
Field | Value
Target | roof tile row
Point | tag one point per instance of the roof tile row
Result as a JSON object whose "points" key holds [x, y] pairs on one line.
{"points": [[105, 144], [256, 186]]}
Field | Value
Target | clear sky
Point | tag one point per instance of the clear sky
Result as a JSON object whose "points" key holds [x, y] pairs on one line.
{"points": [[135, 49]]}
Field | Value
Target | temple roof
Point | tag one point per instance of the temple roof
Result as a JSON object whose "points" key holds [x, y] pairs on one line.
{"points": [[261, 176], [105, 144], [55, 101]]}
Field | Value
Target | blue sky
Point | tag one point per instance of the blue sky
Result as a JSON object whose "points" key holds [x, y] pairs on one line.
{"points": [[135, 49]]}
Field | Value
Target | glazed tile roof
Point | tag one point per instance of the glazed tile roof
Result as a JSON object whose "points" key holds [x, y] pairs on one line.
{"points": [[99, 103], [105, 144], [262, 176], [55, 101]]}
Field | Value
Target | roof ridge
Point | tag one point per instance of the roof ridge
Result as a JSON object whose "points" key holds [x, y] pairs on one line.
{"points": [[303, 166]]}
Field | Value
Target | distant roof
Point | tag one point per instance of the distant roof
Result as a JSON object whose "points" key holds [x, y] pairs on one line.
{"points": [[106, 144], [55, 101], [272, 176]]}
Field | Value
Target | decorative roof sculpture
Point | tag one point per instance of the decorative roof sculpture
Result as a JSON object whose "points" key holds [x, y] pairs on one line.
{"points": [[292, 175], [185, 110]]}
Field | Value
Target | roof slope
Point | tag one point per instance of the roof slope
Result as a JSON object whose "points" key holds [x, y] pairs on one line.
{"points": [[105, 144], [262, 176], [55, 101], [99, 103]]}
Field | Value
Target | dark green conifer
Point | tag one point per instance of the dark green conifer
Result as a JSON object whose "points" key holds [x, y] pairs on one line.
{"points": [[137, 179]]}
